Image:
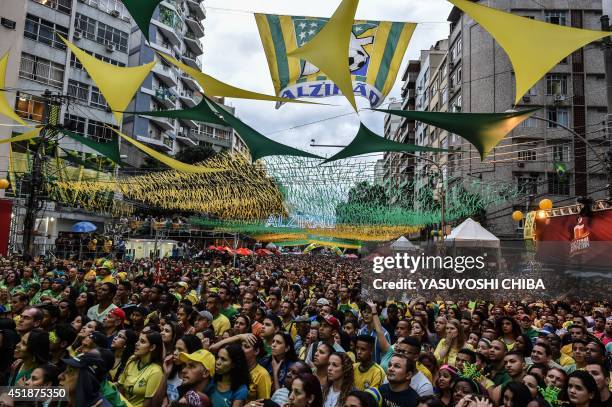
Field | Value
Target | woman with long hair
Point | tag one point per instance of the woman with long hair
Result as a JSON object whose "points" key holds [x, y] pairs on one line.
{"points": [[170, 332], [185, 318], [232, 378], [515, 394], [282, 357], [123, 346], [443, 384], [582, 390], [524, 345], [451, 344], [83, 302], [321, 361], [86, 330], [31, 352], [340, 380], [534, 383], [462, 387], [242, 325], [305, 392], [143, 373], [508, 331], [67, 311], [418, 330], [173, 366]]}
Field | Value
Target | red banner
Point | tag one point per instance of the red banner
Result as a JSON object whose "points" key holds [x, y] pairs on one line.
{"points": [[584, 239], [6, 209]]}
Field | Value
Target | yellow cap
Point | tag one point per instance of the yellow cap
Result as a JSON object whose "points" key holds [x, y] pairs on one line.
{"points": [[202, 356]]}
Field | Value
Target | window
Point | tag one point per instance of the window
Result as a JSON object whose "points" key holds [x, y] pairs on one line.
{"points": [[75, 63], [41, 70], [529, 122], [97, 100], [29, 108], [556, 185], [556, 84], [100, 131], [74, 123], [63, 6], [527, 155], [560, 153], [558, 115], [527, 185], [44, 31], [556, 17], [456, 51], [108, 35], [86, 26], [78, 90]]}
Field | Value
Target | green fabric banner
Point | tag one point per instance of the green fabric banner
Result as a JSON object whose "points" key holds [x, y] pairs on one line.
{"points": [[199, 113], [110, 150], [366, 141], [483, 130], [259, 145], [142, 12]]}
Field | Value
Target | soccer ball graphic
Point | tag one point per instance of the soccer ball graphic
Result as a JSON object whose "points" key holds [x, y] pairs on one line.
{"points": [[357, 59]]}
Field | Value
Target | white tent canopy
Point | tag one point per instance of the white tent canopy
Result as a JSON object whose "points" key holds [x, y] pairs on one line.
{"points": [[470, 233], [403, 244]]}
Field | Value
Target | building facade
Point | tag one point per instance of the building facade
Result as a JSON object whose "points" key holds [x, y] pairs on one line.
{"points": [[476, 77]]}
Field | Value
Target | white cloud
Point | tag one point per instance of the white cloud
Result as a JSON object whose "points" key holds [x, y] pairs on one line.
{"points": [[234, 54]]}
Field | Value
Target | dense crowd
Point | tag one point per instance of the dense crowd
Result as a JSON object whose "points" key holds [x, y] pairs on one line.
{"points": [[285, 331]]}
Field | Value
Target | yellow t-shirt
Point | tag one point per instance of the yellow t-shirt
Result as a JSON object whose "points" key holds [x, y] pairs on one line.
{"points": [[261, 384], [221, 324], [421, 368], [451, 356], [290, 328], [373, 377], [139, 384]]}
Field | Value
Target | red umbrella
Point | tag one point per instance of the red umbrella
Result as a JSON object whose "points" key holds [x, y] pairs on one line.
{"points": [[243, 251], [263, 252]]}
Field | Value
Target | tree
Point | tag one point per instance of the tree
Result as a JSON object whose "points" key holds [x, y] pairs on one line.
{"points": [[195, 154], [366, 194]]}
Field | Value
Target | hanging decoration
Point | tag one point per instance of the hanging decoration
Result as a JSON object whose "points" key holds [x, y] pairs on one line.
{"points": [[117, 84], [202, 112], [375, 54], [483, 130], [32, 134], [534, 47], [214, 87], [366, 141], [5, 107], [259, 145], [109, 150], [329, 48], [142, 12]]}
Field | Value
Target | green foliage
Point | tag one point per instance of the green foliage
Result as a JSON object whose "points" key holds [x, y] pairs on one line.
{"points": [[195, 154]]}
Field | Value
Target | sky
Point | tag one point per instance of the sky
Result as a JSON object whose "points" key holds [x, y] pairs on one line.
{"points": [[234, 54]]}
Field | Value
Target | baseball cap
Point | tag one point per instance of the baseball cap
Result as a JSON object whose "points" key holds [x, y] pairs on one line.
{"points": [[525, 316], [322, 301], [118, 312], [94, 363], [547, 330], [332, 321], [301, 318], [200, 356], [206, 314]]}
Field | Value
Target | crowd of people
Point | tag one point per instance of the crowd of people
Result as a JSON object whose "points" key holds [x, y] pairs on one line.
{"points": [[285, 331]]}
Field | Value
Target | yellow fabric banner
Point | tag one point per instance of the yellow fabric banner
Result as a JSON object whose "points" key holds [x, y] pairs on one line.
{"points": [[214, 87], [534, 47], [22, 137], [5, 107], [169, 161], [117, 84], [328, 49]]}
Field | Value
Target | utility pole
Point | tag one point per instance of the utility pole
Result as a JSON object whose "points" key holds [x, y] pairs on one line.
{"points": [[605, 26], [36, 184]]}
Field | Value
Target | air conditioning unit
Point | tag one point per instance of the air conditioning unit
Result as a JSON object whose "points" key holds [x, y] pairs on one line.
{"points": [[114, 13], [126, 19], [526, 98], [110, 47], [77, 35], [559, 98]]}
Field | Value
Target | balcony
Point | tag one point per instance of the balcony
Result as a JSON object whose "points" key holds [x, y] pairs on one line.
{"points": [[166, 75], [165, 96], [188, 98], [195, 26], [193, 43], [207, 138], [182, 138], [197, 9], [162, 122], [168, 27], [189, 123], [165, 143], [192, 60], [190, 82]]}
